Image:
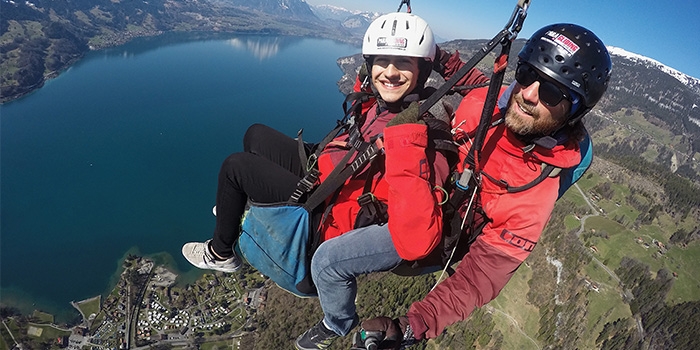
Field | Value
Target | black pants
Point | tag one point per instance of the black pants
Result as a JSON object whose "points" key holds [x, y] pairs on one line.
{"points": [[267, 171]]}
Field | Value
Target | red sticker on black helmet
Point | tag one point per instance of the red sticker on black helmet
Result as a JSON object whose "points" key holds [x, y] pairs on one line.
{"points": [[562, 41]]}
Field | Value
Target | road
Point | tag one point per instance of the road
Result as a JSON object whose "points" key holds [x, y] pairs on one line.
{"points": [[595, 212], [625, 292], [515, 324]]}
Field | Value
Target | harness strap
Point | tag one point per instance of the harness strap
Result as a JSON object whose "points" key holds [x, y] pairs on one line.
{"points": [[305, 185], [349, 124], [301, 149], [408, 6], [489, 106], [357, 98], [449, 84], [340, 174], [367, 200], [547, 171], [468, 182]]}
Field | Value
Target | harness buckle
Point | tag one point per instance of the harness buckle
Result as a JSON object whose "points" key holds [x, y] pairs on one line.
{"points": [[366, 198], [311, 162], [305, 185]]}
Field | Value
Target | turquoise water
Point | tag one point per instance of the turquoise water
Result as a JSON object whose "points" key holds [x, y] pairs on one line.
{"points": [[120, 153]]}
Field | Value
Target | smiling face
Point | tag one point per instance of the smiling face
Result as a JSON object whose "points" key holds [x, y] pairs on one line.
{"points": [[527, 115], [394, 76]]}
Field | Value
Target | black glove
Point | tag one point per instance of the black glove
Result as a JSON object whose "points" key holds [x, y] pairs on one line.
{"points": [[441, 58], [408, 115], [363, 73], [384, 333]]}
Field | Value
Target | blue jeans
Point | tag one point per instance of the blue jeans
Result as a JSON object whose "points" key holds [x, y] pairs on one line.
{"points": [[338, 261]]}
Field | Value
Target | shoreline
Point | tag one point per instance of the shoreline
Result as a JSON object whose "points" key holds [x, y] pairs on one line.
{"points": [[147, 308], [124, 38], [117, 41]]}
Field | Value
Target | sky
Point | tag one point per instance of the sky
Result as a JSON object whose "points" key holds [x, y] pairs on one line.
{"points": [[667, 31]]}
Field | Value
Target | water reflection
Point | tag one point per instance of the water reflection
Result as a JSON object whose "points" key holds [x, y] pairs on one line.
{"points": [[262, 47]]}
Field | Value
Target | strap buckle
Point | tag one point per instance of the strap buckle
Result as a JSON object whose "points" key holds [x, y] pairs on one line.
{"points": [[305, 185], [366, 198]]}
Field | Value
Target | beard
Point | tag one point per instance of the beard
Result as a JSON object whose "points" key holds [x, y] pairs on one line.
{"points": [[537, 125]]}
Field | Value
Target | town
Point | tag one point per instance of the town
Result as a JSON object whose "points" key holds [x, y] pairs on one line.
{"points": [[147, 309]]}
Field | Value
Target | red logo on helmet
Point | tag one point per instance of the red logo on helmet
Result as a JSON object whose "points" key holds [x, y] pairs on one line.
{"points": [[563, 42], [392, 43]]}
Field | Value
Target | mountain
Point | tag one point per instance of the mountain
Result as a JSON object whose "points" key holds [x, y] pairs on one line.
{"points": [[669, 101], [333, 12], [39, 39], [289, 8], [353, 21], [692, 82]]}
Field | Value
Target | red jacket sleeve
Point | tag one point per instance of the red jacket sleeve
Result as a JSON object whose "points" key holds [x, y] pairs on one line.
{"points": [[496, 254], [478, 279], [412, 172]]}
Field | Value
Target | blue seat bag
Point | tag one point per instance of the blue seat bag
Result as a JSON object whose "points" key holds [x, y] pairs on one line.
{"points": [[274, 239]]}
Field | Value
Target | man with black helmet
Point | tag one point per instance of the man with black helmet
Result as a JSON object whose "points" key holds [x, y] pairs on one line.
{"points": [[563, 70]]}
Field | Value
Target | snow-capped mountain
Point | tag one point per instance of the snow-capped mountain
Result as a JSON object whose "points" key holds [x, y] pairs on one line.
{"points": [[692, 82], [332, 12], [340, 14], [348, 19], [298, 9]]}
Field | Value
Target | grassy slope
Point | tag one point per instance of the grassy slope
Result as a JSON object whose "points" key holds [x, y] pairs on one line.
{"points": [[606, 305]]}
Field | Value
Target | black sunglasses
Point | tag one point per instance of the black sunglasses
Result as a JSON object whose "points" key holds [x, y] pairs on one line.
{"points": [[550, 94]]}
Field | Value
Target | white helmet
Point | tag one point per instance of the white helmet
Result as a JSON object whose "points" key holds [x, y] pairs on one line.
{"points": [[399, 34]]}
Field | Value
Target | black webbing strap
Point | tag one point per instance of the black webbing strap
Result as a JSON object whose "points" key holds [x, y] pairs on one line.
{"points": [[449, 84], [301, 148], [509, 33], [546, 172], [340, 174], [309, 162], [367, 198], [408, 6], [357, 98], [474, 156]]}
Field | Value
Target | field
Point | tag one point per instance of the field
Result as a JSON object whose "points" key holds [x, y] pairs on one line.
{"points": [[609, 234]]}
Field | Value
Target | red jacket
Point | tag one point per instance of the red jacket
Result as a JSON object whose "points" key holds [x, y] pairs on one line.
{"points": [[517, 221], [407, 186]]}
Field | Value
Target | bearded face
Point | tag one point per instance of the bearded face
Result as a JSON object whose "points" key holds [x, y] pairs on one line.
{"points": [[527, 115]]}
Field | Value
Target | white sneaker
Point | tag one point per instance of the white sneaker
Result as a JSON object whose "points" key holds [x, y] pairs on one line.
{"points": [[197, 253]]}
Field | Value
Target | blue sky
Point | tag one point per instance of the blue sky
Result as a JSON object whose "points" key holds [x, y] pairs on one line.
{"points": [[667, 31]]}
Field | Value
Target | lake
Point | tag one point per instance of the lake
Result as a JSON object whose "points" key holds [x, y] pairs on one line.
{"points": [[120, 153]]}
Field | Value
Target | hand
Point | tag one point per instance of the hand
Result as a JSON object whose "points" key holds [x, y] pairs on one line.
{"points": [[408, 115], [441, 58], [363, 73], [388, 333]]}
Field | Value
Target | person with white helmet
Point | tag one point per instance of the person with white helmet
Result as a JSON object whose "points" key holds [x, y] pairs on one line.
{"points": [[401, 186], [399, 50]]}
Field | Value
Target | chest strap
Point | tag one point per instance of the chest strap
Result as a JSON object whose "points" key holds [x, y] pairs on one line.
{"points": [[547, 171]]}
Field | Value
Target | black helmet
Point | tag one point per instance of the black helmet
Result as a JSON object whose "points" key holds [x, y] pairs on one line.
{"points": [[573, 56]]}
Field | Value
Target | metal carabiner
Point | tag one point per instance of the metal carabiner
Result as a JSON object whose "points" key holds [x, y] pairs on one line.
{"points": [[408, 6], [515, 23]]}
